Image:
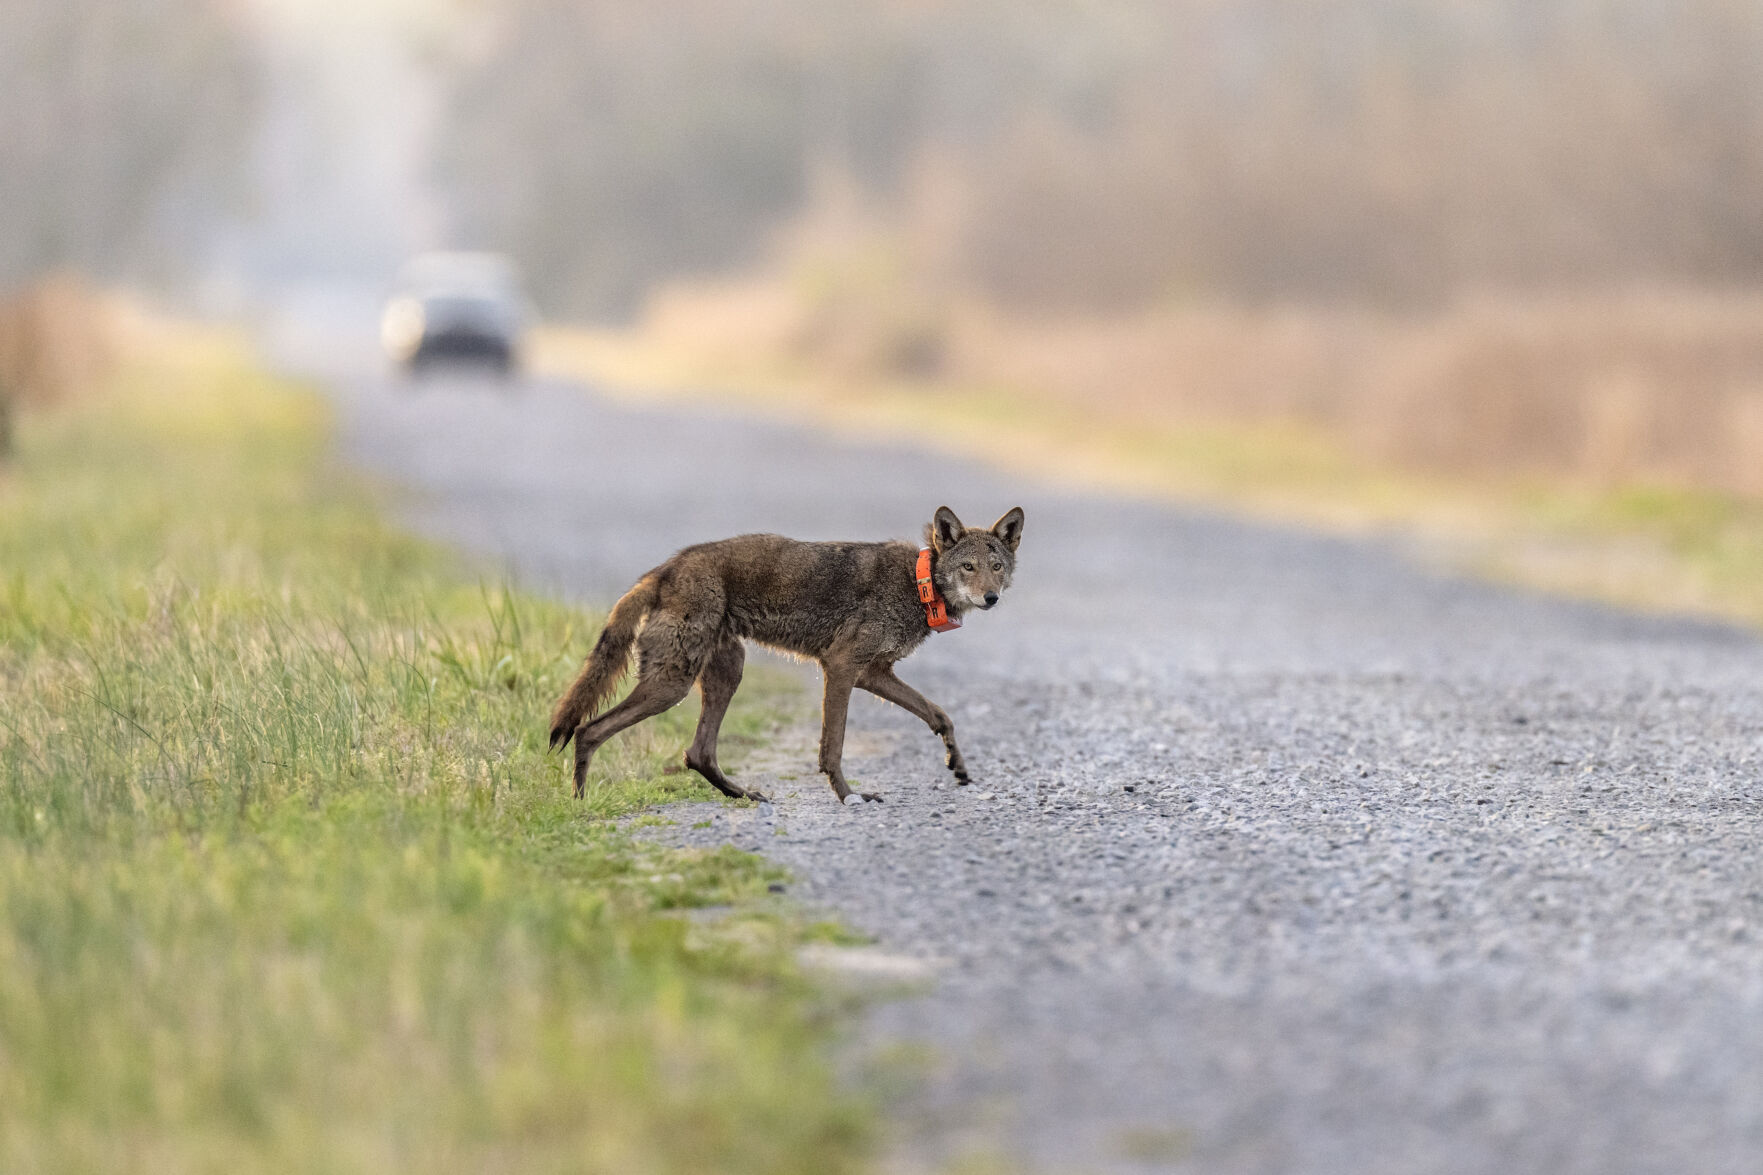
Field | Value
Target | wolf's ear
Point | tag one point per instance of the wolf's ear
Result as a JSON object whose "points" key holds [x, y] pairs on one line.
{"points": [[945, 530], [1009, 527]]}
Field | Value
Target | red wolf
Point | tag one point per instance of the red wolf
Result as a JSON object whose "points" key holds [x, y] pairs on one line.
{"points": [[856, 608]]}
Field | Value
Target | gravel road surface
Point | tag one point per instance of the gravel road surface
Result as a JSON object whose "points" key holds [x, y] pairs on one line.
{"points": [[1283, 854]]}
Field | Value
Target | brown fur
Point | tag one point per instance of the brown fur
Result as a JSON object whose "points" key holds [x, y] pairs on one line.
{"points": [[852, 607]]}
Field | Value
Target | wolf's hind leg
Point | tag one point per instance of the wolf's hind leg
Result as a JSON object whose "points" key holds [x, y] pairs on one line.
{"points": [[674, 645], [879, 680], [651, 696], [716, 686]]}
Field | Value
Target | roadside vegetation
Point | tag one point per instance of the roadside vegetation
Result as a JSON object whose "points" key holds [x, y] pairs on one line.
{"points": [[1482, 273], [1604, 449], [287, 880]]}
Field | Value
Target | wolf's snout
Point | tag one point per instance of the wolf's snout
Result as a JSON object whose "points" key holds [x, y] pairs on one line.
{"points": [[991, 598]]}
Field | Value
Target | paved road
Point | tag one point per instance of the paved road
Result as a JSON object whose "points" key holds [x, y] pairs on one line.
{"points": [[1283, 855]]}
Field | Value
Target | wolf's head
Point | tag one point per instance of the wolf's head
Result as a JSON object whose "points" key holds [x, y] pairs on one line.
{"points": [[973, 566]]}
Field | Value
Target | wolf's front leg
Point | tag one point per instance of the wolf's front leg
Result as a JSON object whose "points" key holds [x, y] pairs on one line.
{"points": [[834, 703], [945, 729], [879, 680]]}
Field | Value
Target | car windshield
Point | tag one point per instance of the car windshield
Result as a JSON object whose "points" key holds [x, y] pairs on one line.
{"points": [[468, 309]]}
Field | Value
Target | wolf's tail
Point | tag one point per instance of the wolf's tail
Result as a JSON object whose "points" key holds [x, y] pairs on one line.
{"points": [[606, 664]]}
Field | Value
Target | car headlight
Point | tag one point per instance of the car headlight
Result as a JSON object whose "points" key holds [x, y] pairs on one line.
{"points": [[402, 325]]}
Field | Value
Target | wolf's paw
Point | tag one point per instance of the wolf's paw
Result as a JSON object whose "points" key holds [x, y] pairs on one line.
{"points": [[758, 797], [861, 797]]}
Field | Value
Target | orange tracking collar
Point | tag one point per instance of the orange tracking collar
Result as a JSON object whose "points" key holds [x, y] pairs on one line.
{"points": [[936, 609]]}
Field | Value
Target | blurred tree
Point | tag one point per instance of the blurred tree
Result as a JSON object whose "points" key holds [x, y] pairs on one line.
{"points": [[1094, 154], [607, 144], [614, 143], [124, 129]]}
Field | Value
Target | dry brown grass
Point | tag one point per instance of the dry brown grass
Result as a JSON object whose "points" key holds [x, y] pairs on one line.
{"points": [[57, 341], [1603, 447], [1656, 387], [1611, 389]]}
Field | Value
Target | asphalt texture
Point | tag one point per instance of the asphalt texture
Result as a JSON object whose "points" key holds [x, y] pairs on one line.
{"points": [[1283, 853]]}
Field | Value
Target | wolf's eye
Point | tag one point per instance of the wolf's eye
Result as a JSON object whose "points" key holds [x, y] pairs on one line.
{"points": [[997, 567], [967, 567]]}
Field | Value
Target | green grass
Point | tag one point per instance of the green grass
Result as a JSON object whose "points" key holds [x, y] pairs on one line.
{"points": [[287, 880]]}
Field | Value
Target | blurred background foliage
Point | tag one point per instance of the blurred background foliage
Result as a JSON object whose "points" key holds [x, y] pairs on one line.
{"points": [[1048, 154], [126, 132], [1059, 154], [1509, 235]]}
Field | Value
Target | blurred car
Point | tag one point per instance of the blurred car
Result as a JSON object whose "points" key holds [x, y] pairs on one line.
{"points": [[456, 308]]}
